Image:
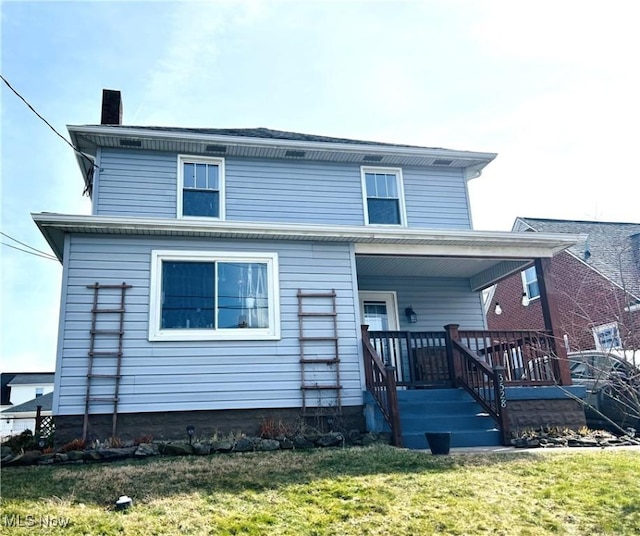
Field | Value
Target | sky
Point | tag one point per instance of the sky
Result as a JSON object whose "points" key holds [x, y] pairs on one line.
{"points": [[552, 87]]}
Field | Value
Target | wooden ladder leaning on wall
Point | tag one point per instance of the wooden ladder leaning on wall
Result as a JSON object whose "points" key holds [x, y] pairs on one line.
{"points": [[319, 306], [107, 356]]}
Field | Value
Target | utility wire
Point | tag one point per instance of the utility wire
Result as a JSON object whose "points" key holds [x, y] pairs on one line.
{"points": [[25, 245], [48, 257], [75, 149]]}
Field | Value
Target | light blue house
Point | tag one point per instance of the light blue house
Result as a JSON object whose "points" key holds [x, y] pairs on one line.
{"points": [[223, 276]]}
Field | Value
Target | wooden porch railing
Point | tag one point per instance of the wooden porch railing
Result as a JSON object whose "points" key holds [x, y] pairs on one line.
{"points": [[381, 383], [482, 362], [528, 357]]}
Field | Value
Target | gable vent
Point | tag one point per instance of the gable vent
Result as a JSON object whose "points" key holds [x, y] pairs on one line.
{"points": [[442, 162], [372, 158], [295, 154], [216, 149], [130, 143]]}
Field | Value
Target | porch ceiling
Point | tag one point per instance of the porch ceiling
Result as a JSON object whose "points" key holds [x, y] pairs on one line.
{"points": [[481, 271]]}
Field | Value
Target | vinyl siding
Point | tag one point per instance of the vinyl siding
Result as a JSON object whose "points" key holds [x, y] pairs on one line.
{"points": [[198, 375], [436, 301], [144, 184]]}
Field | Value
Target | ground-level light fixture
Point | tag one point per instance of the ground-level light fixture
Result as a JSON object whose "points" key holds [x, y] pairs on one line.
{"points": [[190, 431]]}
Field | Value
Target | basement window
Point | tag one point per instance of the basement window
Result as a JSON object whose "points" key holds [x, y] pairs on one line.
{"points": [[200, 187], [202, 295]]}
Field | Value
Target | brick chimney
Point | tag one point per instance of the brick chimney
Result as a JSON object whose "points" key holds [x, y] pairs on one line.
{"points": [[111, 107]]}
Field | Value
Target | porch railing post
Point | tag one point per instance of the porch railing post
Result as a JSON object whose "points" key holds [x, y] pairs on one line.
{"points": [[38, 427], [451, 334], [500, 395], [549, 303], [368, 372], [392, 397]]}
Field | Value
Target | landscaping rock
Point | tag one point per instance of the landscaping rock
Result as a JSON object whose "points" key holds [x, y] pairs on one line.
{"points": [[12, 461], [286, 443], [146, 449], [175, 449], [302, 443], [201, 450], [224, 445], [92, 456], [267, 445], [369, 439], [75, 455], [332, 439], [354, 437], [61, 457], [116, 454], [243, 445], [5, 451]]}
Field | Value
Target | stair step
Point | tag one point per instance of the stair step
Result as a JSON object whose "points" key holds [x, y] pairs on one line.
{"points": [[439, 408], [434, 395], [447, 424], [461, 438]]}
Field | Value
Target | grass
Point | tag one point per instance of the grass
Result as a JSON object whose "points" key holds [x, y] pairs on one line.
{"points": [[359, 491]]}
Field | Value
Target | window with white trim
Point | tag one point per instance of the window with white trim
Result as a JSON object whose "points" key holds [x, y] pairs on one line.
{"points": [[200, 187], [530, 283], [197, 295], [383, 196], [39, 391], [607, 337]]}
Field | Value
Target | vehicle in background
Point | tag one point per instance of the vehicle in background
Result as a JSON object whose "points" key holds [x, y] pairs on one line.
{"points": [[613, 389]]}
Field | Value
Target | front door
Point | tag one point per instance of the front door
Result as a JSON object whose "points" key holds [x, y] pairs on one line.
{"points": [[379, 310]]}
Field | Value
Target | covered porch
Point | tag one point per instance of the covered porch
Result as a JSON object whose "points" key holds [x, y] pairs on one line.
{"points": [[424, 327]]}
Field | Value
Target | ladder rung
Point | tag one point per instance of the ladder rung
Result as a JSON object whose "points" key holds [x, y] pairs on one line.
{"points": [[318, 338], [107, 332], [103, 399], [316, 294], [96, 311], [317, 314], [321, 361], [105, 354], [98, 285], [319, 387], [114, 376]]}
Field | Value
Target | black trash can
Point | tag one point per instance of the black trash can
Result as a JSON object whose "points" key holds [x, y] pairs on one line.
{"points": [[439, 442]]}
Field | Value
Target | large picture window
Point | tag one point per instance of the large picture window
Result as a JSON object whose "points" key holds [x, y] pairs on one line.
{"points": [[383, 196], [200, 187], [209, 296]]}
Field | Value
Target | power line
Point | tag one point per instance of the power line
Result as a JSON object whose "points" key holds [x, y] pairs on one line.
{"points": [[75, 149], [25, 245], [48, 257]]}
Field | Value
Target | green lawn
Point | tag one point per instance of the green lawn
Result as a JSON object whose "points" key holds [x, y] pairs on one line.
{"points": [[376, 490]]}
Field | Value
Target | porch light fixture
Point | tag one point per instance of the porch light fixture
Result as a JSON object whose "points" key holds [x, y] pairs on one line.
{"points": [[190, 431], [412, 317], [497, 310], [525, 300]]}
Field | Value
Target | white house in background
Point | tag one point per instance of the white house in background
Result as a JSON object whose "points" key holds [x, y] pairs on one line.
{"points": [[21, 393]]}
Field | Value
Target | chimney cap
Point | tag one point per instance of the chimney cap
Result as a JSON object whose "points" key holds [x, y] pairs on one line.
{"points": [[111, 107]]}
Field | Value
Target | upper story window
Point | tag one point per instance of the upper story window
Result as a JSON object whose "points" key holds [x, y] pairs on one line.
{"points": [[383, 196], [39, 391], [197, 295], [200, 187], [530, 283], [607, 337]]}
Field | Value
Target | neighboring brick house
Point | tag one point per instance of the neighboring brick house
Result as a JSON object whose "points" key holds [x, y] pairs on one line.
{"points": [[597, 287]]}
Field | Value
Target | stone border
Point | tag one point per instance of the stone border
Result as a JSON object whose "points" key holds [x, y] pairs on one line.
{"points": [[224, 446]]}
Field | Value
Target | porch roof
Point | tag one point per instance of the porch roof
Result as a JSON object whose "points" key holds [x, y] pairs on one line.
{"points": [[479, 255]]}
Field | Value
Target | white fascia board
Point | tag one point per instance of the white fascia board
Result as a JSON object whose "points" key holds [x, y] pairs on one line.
{"points": [[272, 142], [368, 239]]}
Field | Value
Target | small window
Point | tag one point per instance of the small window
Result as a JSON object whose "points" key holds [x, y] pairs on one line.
{"points": [[530, 283], [607, 337], [209, 296], [39, 391], [383, 196], [201, 187]]}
